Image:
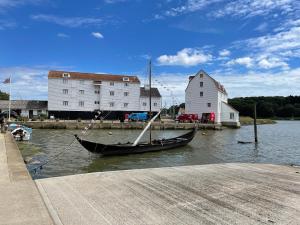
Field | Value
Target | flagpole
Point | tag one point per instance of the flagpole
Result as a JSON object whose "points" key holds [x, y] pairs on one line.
{"points": [[9, 102]]}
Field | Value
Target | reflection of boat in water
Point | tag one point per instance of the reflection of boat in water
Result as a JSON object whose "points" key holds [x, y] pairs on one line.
{"points": [[129, 148], [20, 132]]}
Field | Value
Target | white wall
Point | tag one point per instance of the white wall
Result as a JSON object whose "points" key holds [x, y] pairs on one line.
{"points": [[147, 108], [196, 104], [133, 98], [56, 95], [226, 110]]}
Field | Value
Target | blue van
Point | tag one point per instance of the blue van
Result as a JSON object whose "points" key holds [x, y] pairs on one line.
{"points": [[138, 116]]}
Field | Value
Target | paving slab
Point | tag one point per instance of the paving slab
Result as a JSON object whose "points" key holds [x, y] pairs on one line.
{"points": [[20, 200], [206, 194]]}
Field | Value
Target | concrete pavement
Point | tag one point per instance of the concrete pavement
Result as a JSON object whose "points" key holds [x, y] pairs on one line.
{"points": [[20, 201], [206, 194]]}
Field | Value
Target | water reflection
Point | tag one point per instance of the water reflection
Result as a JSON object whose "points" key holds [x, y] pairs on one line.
{"points": [[278, 143]]}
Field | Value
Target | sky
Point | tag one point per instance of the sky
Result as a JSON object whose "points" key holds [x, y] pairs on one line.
{"points": [[251, 46]]}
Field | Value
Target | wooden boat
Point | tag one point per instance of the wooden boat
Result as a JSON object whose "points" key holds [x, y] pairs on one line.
{"points": [[129, 148], [137, 147]]}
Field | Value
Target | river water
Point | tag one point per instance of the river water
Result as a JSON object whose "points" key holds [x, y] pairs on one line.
{"points": [[278, 143]]}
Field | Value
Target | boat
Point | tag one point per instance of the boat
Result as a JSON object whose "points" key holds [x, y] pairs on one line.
{"points": [[129, 148], [137, 147], [21, 134]]}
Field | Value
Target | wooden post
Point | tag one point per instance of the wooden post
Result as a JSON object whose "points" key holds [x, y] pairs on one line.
{"points": [[255, 126]]}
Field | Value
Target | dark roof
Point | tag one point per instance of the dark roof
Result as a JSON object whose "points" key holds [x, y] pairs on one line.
{"points": [[24, 104], [92, 76], [146, 92]]}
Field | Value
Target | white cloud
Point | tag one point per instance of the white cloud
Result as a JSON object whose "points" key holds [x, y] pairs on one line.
{"points": [[242, 8], [273, 62], [5, 24], [97, 35], [224, 53], [245, 61], [262, 27], [28, 82], [62, 35], [68, 21], [189, 6], [186, 57], [5, 4]]}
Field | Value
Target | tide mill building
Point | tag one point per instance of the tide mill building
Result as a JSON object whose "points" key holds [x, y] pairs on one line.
{"points": [[73, 95], [206, 96]]}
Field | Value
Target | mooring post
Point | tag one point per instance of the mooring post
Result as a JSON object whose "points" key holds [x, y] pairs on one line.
{"points": [[255, 126]]}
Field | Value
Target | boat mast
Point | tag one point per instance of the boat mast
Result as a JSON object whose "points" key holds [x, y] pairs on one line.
{"points": [[150, 108]]}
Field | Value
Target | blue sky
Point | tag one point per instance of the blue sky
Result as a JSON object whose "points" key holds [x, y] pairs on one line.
{"points": [[252, 47]]}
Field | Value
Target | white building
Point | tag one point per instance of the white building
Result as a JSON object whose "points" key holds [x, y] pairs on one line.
{"points": [[204, 95], [77, 95]]}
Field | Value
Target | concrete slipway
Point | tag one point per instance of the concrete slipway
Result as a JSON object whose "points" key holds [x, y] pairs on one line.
{"points": [[207, 194]]}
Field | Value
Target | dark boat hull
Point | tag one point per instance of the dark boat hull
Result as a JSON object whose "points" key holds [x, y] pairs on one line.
{"points": [[124, 149]]}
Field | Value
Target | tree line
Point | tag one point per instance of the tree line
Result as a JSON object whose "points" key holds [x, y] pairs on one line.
{"points": [[4, 96], [268, 107]]}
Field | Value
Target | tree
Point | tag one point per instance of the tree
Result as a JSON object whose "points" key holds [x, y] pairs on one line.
{"points": [[4, 96]]}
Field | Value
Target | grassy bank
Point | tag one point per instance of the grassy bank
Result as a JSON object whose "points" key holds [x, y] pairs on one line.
{"points": [[246, 120]]}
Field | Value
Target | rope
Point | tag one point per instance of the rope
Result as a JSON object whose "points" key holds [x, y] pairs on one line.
{"points": [[84, 132]]}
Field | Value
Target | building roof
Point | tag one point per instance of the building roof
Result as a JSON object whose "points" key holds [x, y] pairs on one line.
{"points": [[144, 92], [219, 86], [225, 103], [24, 104], [92, 76]]}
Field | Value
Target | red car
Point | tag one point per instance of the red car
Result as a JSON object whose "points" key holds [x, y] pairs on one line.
{"points": [[187, 118]]}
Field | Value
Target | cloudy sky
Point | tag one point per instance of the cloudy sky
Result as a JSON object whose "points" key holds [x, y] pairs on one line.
{"points": [[251, 46]]}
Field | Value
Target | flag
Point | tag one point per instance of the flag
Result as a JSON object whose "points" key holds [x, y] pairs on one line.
{"points": [[6, 81]]}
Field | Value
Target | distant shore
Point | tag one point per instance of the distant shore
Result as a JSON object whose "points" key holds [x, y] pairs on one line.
{"points": [[246, 120]]}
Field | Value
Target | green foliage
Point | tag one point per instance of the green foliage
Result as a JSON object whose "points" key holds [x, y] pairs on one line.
{"points": [[268, 107], [4, 96]]}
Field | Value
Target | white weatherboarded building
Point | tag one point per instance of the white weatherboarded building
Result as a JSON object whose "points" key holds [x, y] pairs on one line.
{"points": [[205, 95], [78, 95]]}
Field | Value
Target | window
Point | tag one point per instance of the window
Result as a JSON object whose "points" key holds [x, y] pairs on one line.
{"points": [[126, 84], [201, 93], [125, 78], [112, 83], [155, 103], [65, 91], [65, 81], [125, 105], [111, 93], [208, 104], [66, 75], [231, 116], [81, 103], [126, 93], [201, 75], [81, 92], [81, 81], [201, 84], [65, 103], [97, 92], [111, 104], [97, 102]]}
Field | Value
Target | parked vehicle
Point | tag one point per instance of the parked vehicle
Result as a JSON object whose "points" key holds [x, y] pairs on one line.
{"points": [[187, 118], [138, 116]]}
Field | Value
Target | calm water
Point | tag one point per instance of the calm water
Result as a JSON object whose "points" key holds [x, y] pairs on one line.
{"points": [[278, 143]]}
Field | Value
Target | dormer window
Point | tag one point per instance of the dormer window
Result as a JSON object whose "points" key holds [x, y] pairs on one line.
{"points": [[65, 75], [126, 79]]}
